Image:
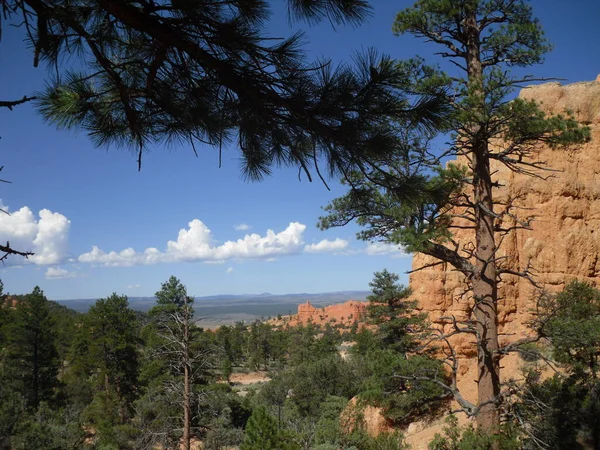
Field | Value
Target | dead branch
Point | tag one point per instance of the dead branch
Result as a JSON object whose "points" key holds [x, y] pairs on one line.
{"points": [[10, 104], [8, 250]]}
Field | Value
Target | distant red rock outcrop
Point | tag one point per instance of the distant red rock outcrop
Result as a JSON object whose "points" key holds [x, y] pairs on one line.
{"points": [[345, 313], [8, 302]]}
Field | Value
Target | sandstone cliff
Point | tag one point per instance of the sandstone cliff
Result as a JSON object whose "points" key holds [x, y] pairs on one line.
{"points": [[563, 244]]}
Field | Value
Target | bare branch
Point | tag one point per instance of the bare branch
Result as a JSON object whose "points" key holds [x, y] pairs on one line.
{"points": [[13, 103]]}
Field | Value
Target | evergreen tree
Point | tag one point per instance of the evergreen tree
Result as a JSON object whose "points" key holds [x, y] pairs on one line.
{"points": [[177, 344], [206, 72], [31, 348], [48, 429], [572, 324], [393, 313], [5, 313], [564, 411], [390, 353], [262, 433], [65, 321], [112, 334], [275, 394], [455, 438], [416, 201]]}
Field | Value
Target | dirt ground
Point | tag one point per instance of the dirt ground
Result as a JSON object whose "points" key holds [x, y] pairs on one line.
{"points": [[249, 378]]}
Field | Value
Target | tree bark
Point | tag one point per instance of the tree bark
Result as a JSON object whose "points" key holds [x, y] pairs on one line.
{"points": [[186, 381], [484, 282], [36, 372]]}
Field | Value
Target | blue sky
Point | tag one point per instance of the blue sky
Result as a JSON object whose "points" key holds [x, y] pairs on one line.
{"points": [[74, 204]]}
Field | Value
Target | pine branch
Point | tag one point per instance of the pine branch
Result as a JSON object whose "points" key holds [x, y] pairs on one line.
{"points": [[13, 103]]}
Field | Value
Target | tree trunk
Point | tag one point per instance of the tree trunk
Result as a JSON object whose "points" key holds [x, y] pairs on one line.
{"points": [[36, 372], [485, 294], [186, 409], [484, 283], [186, 382]]}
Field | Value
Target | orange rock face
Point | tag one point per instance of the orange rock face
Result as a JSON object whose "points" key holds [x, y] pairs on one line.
{"points": [[346, 313], [369, 418], [8, 302], [563, 243]]}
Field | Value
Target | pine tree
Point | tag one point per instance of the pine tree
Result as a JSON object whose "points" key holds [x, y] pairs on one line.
{"points": [[416, 201], [112, 335], [31, 348], [261, 433], [206, 72], [393, 351], [393, 313], [185, 358], [571, 320], [563, 411]]}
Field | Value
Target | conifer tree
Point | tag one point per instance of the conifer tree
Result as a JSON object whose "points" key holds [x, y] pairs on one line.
{"points": [[417, 201], [31, 348], [208, 73], [262, 433], [177, 344], [205, 72], [572, 324], [111, 328], [393, 313], [394, 350]]}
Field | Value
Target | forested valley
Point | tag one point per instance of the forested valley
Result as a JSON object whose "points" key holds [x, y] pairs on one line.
{"points": [[113, 378]]}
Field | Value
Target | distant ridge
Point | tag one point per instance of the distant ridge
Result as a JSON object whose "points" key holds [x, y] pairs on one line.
{"points": [[238, 303]]}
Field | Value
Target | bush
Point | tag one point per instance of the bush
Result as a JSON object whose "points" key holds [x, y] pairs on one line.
{"points": [[469, 438]]}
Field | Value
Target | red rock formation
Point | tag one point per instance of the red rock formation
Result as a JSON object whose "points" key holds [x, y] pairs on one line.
{"points": [[345, 313], [563, 244], [306, 312], [8, 302], [367, 417]]}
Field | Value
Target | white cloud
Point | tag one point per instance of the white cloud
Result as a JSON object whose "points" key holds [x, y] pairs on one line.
{"points": [[327, 246], [47, 236], [55, 273], [242, 227], [133, 286], [383, 248], [229, 270], [196, 243]]}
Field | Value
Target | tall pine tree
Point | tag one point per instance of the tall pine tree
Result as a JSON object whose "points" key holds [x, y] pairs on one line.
{"points": [[393, 313], [177, 344], [417, 201], [112, 332]]}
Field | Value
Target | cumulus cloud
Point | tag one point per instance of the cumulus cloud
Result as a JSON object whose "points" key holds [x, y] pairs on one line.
{"points": [[46, 236], [229, 270], [133, 286], [196, 243], [55, 273], [326, 246], [242, 227], [383, 248]]}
